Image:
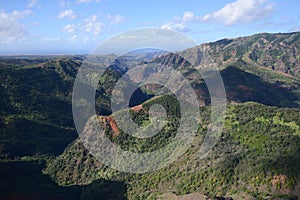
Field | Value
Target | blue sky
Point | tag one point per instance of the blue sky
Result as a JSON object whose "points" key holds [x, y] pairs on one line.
{"points": [[77, 26]]}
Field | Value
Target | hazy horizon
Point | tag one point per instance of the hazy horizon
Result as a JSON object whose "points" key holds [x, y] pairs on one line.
{"points": [[78, 26]]}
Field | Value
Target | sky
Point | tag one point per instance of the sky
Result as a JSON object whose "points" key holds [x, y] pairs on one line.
{"points": [[78, 26]]}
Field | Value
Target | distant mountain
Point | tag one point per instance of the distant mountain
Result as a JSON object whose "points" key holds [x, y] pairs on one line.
{"points": [[271, 78], [279, 52]]}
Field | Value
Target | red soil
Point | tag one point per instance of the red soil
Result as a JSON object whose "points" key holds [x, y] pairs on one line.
{"points": [[281, 179], [112, 124], [137, 108]]}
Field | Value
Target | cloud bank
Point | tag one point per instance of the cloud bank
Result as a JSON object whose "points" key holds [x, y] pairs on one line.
{"points": [[241, 11], [11, 30]]}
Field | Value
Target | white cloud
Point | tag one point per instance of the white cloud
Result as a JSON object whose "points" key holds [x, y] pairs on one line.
{"points": [[180, 23], [188, 16], [64, 3], [32, 3], [69, 13], [50, 39], [84, 1], [87, 1], [181, 27], [11, 30], [74, 37], [69, 28], [92, 25], [241, 11], [115, 19], [89, 25]]}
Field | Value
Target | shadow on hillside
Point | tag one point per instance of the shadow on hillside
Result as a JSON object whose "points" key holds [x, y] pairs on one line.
{"points": [[242, 86], [23, 180], [24, 137]]}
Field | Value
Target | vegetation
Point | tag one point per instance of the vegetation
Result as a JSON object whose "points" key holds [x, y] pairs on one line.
{"points": [[257, 155], [23, 180]]}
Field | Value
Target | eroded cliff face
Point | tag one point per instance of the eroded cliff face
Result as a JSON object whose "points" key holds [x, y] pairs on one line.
{"points": [[279, 52]]}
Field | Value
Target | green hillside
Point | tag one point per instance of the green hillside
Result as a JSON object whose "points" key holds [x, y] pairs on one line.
{"points": [[259, 146], [36, 110], [257, 156]]}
